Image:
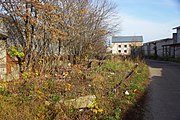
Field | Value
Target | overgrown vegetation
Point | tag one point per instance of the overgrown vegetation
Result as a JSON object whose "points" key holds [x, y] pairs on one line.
{"points": [[76, 30], [60, 48], [35, 98]]}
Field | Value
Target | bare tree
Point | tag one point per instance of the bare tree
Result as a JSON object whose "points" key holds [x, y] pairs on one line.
{"points": [[40, 29]]}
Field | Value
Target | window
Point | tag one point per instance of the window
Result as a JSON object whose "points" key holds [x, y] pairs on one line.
{"points": [[125, 51], [125, 46], [119, 46], [119, 51]]}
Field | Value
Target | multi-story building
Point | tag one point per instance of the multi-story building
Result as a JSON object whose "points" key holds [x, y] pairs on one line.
{"points": [[125, 45]]}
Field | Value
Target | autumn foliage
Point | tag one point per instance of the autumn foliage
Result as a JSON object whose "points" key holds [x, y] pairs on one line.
{"points": [[74, 30]]}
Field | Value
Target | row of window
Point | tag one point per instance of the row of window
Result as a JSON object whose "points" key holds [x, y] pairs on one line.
{"points": [[125, 51], [124, 46]]}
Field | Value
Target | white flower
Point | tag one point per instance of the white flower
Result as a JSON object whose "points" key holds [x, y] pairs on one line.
{"points": [[80, 110], [108, 76], [69, 64], [89, 85], [112, 73], [46, 76], [126, 93], [136, 64]]}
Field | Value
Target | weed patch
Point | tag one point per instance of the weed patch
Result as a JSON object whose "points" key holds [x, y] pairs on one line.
{"points": [[45, 98]]}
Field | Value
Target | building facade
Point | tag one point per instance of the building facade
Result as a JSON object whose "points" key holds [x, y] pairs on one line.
{"points": [[169, 47], [9, 68], [178, 34], [126, 45], [155, 47], [3, 59]]}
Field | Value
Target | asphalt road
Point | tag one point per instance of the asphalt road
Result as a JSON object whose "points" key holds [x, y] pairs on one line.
{"points": [[163, 99]]}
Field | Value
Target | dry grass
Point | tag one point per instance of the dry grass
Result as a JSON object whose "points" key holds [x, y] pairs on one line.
{"points": [[35, 98]]}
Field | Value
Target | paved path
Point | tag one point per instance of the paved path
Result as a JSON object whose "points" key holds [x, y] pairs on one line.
{"points": [[163, 99]]}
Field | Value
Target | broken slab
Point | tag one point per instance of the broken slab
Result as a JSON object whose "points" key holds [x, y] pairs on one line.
{"points": [[81, 102]]}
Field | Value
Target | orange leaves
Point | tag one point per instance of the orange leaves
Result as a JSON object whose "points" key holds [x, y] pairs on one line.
{"points": [[83, 11], [76, 26], [56, 33], [36, 4], [34, 21], [135, 90], [48, 8]]}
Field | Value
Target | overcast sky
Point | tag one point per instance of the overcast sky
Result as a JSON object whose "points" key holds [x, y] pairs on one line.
{"points": [[153, 19]]}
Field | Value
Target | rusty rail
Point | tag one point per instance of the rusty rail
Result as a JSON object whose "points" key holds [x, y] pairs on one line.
{"points": [[126, 78]]}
